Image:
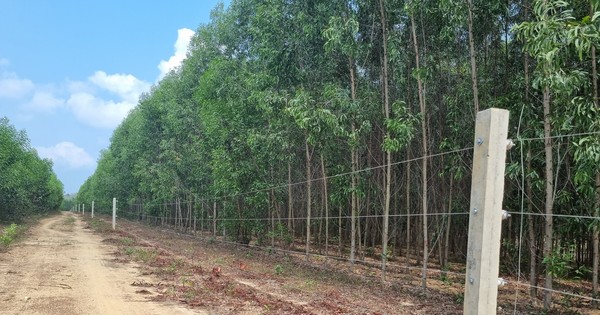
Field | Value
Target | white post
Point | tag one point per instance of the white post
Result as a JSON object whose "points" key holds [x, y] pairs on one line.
{"points": [[92, 209], [83, 209], [485, 212], [114, 212]]}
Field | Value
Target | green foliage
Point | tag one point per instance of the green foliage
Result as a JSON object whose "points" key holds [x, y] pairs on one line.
{"points": [[9, 234], [281, 234], [559, 263], [27, 183], [70, 221], [141, 254], [278, 269], [549, 39], [401, 128]]}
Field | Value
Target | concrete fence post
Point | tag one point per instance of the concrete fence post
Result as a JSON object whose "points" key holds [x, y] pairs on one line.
{"points": [[92, 209], [485, 212]]}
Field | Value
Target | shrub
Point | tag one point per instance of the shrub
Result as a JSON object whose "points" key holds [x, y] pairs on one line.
{"points": [[9, 235]]}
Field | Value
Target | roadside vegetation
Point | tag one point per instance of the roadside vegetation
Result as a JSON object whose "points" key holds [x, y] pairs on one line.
{"points": [[9, 234], [28, 185]]}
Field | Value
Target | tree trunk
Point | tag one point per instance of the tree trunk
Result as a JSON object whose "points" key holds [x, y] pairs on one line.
{"points": [[290, 222], [326, 201], [179, 215], [353, 157], [388, 171], [421, 89], [531, 223], [320, 216], [195, 215], [340, 231], [408, 212], [473, 59], [448, 225], [215, 218], [191, 215], [308, 196], [597, 203], [531, 232], [353, 209], [272, 206], [548, 229], [596, 243]]}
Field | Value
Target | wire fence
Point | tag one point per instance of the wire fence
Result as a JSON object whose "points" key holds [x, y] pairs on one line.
{"points": [[208, 223]]}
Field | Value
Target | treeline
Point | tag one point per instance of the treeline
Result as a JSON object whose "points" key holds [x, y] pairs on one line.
{"points": [[277, 98], [28, 184]]}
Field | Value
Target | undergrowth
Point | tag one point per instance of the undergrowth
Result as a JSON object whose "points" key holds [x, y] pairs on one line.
{"points": [[9, 235]]}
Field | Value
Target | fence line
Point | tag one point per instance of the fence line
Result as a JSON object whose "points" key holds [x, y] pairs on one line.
{"points": [[326, 177], [202, 200], [370, 216], [571, 135], [573, 216], [373, 264], [589, 298], [305, 218], [316, 179], [522, 213]]}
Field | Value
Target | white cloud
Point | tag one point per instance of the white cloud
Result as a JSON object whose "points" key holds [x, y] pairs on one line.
{"points": [[102, 100], [184, 36], [127, 86], [13, 87], [89, 105], [98, 112], [67, 153], [44, 101], [80, 87]]}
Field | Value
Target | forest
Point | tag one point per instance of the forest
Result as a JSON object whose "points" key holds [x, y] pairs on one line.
{"points": [[28, 184], [346, 126]]}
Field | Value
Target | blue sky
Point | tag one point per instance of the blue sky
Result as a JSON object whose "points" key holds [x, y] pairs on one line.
{"points": [[71, 70]]}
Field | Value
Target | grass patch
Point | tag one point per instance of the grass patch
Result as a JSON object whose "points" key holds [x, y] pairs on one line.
{"points": [[70, 221], [127, 241], [278, 269], [100, 226], [9, 235], [67, 224], [141, 254]]}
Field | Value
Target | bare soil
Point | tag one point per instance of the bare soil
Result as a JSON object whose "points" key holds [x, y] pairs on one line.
{"points": [[75, 265], [62, 268]]}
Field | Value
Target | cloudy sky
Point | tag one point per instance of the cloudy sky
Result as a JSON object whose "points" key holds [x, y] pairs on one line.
{"points": [[71, 70]]}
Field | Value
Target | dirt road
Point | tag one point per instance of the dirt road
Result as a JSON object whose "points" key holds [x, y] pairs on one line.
{"points": [[62, 268]]}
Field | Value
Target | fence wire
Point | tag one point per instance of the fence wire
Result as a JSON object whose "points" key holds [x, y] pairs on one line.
{"points": [[522, 214]]}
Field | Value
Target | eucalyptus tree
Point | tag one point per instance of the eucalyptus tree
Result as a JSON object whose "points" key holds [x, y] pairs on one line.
{"points": [[28, 184], [341, 34], [548, 39], [419, 75], [587, 148]]}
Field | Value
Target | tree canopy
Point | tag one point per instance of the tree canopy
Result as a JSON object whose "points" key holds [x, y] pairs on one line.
{"points": [[28, 184]]}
